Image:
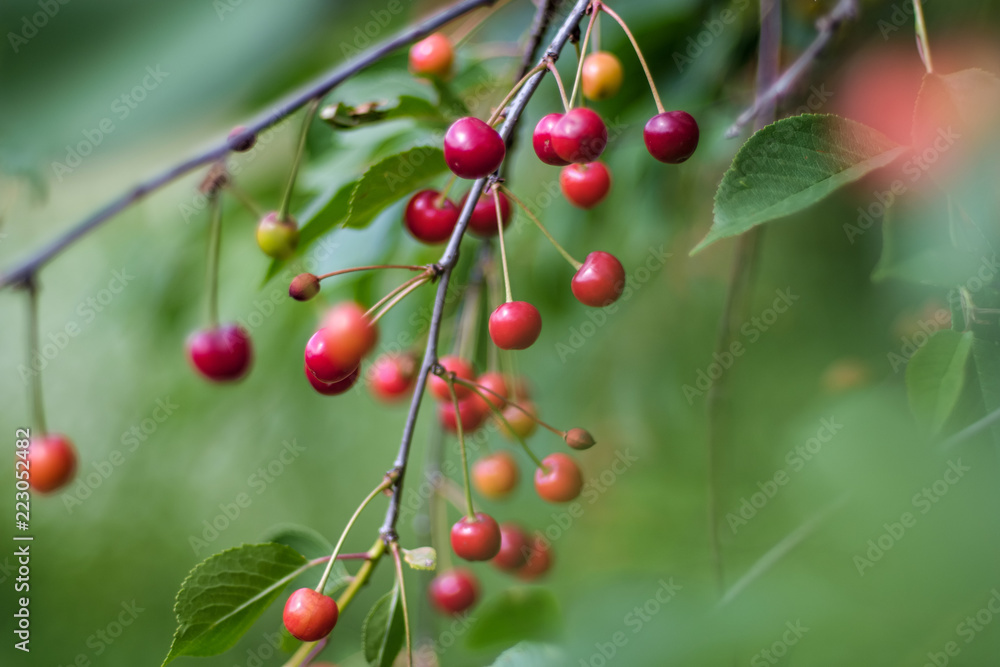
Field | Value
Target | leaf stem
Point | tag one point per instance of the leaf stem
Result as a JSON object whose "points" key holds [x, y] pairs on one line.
{"points": [[402, 597], [635, 45], [469, 509], [299, 150], [562, 251]]}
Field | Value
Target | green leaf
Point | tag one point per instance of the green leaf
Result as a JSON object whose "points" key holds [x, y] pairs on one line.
{"points": [[342, 117], [422, 558], [986, 355], [224, 594], [383, 632], [390, 179], [790, 165], [312, 545], [968, 98], [935, 376], [515, 615], [529, 654]]}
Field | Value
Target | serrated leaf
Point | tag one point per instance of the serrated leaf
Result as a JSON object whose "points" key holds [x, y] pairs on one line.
{"points": [[790, 165], [421, 558], [383, 632], [530, 654], [224, 594], [935, 377], [312, 545], [390, 179], [517, 614]]}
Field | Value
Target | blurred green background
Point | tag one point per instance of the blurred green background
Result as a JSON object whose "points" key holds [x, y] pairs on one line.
{"points": [[127, 545]]}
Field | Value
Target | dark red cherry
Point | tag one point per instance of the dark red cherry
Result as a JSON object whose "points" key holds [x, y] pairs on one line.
{"points": [[579, 136], [585, 185], [309, 615], [600, 281], [455, 591], [51, 462], [671, 137], [515, 325], [222, 354], [539, 560], [484, 216], [473, 149], [471, 409], [514, 548], [541, 140], [476, 539], [333, 388], [428, 218]]}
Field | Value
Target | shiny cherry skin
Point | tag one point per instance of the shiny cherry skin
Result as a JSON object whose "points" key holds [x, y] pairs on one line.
{"points": [[515, 325], [428, 221], [470, 409], [477, 539], [277, 238], [223, 354], [309, 615], [484, 215], [579, 136], [600, 281], [337, 348], [333, 388], [455, 591], [514, 548], [473, 149], [494, 388], [496, 475], [539, 560], [522, 424], [671, 137], [541, 140], [559, 480], [392, 376], [585, 185], [51, 462], [432, 56], [602, 76], [461, 368]]}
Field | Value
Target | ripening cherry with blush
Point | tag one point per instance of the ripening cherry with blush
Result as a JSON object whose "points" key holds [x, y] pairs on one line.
{"points": [[514, 548], [337, 348], [432, 56], [51, 462], [585, 185], [671, 137], [602, 76], [455, 591], [309, 615], [471, 413], [333, 388], [522, 424], [220, 354], [484, 215], [494, 388], [541, 140], [277, 238], [600, 281], [461, 368], [476, 539], [473, 149], [579, 136], [392, 376], [559, 480], [496, 475], [538, 561], [515, 325], [429, 217]]}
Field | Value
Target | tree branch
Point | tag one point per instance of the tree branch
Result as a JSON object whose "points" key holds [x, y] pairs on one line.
{"points": [[22, 271]]}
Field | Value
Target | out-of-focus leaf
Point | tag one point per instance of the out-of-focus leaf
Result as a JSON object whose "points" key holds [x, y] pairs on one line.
{"points": [[383, 631], [517, 614], [935, 377], [530, 654], [421, 558], [390, 179]]}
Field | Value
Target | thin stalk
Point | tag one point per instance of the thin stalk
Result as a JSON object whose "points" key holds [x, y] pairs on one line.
{"points": [[562, 91], [245, 199], [473, 24], [499, 415], [582, 50], [402, 596], [468, 331], [469, 509], [635, 45], [562, 251], [478, 388], [513, 91], [214, 249], [394, 291], [37, 402], [923, 42], [503, 249], [411, 267], [439, 202], [300, 149], [420, 280]]}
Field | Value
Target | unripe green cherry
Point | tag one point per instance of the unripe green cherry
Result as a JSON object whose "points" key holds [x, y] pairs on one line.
{"points": [[277, 238]]}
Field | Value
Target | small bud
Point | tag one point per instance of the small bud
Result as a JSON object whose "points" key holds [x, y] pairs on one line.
{"points": [[579, 438], [246, 141], [216, 178], [304, 287]]}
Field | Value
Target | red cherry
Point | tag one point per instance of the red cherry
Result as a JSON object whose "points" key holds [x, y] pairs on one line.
{"points": [[455, 591], [541, 140], [539, 560], [600, 281], [333, 388], [309, 615], [585, 185], [484, 215], [432, 56], [476, 539], [473, 149], [461, 368], [495, 384], [336, 349], [515, 325], [222, 354], [496, 475], [514, 548], [559, 479], [392, 376], [671, 137], [579, 136], [348, 320], [471, 411], [51, 462], [427, 221]]}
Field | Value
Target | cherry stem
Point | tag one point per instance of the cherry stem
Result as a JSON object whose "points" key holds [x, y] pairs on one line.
{"points": [[499, 415], [595, 46], [439, 202], [503, 249], [474, 23], [638, 52], [402, 597], [300, 149], [469, 509], [582, 50], [448, 490], [407, 287], [478, 387], [562, 91], [37, 404], [411, 267], [923, 42], [214, 249], [386, 482], [524, 207], [245, 199], [513, 91]]}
